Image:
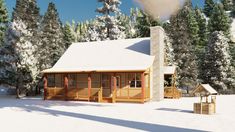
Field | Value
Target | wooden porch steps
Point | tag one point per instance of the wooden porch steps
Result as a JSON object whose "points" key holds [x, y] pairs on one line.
{"points": [[107, 99]]}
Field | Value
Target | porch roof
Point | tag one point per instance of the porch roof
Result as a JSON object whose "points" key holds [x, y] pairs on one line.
{"points": [[113, 55]]}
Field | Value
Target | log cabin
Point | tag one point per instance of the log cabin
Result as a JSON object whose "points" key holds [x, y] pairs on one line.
{"points": [[129, 70]]}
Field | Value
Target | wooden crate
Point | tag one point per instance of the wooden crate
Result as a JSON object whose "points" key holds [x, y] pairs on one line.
{"points": [[204, 108]]}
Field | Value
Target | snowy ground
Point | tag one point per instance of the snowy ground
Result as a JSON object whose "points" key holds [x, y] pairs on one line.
{"points": [[36, 115]]}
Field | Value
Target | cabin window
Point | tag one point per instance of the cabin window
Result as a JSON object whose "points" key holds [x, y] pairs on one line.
{"points": [[135, 80], [72, 80], [55, 80]]}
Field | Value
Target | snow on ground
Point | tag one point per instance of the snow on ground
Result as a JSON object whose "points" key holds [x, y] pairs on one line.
{"points": [[36, 115]]}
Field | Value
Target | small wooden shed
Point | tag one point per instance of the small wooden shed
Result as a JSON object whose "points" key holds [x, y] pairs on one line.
{"points": [[205, 107], [170, 90]]}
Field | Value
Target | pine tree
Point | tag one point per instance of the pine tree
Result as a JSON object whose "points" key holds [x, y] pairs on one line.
{"points": [[143, 24], [227, 4], [27, 12], [26, 16], [203, 39], [68, 36], [183, 46], [219, 21], [219, 73], [52, 44], [8, 57], [110, 27], [83, 31], [169, 54], [3, 20], [93, 34], [208, 7], [193, 26], [18, 63]]}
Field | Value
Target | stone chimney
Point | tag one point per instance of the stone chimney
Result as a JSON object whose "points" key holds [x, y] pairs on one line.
{"points": [[157, 71]]}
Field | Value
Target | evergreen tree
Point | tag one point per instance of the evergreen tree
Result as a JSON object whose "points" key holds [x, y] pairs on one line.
{"points": [[203, 35], [27, 12], [143, 24], [110, 27], [219, 73], [227, 4], [52, 45], [3, 20], [83, 31], [68, 36], [180, 33], [93, 34], [219, 21], [208, 7], [169, 54], [18, 63], [8, 57], [26, 16]]}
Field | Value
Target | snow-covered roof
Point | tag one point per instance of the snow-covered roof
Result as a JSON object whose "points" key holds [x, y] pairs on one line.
{"points": [[113, 55], [169, 70], [205, 89]]}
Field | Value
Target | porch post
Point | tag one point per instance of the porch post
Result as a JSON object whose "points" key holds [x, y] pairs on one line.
{"points": [[89, 86], [45, 86], [114, 88], [66, 85], [142, 87]]}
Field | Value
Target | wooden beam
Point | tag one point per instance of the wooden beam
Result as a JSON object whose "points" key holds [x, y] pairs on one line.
{"points": [[45, 86], [89, 86], [114, 87], [142, 87], [66, 85]]}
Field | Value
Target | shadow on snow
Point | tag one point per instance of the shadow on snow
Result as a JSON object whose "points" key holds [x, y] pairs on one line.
{"points": [[38, 105]]}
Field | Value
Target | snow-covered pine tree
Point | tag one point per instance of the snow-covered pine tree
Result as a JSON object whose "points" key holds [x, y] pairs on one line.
{"points": [[27, 11], [92, 33], [75, 31], [143, 24], [202, 32], [184, 50], [83, 31], [51, 46], [110, 27], [8, 55], [3, 20], [68, 35], [19, 63], [203, 40], [192, 23], [169, 54], [219, 72], [126, 27], [27, 14], [227, 4], [219, 21], [208, 7]]}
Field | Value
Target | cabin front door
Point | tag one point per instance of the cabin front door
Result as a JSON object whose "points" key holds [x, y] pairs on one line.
{"points": [[106, 84]]}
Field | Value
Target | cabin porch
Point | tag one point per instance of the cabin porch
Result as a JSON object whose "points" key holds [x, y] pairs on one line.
{"points": [[99, 87]]}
